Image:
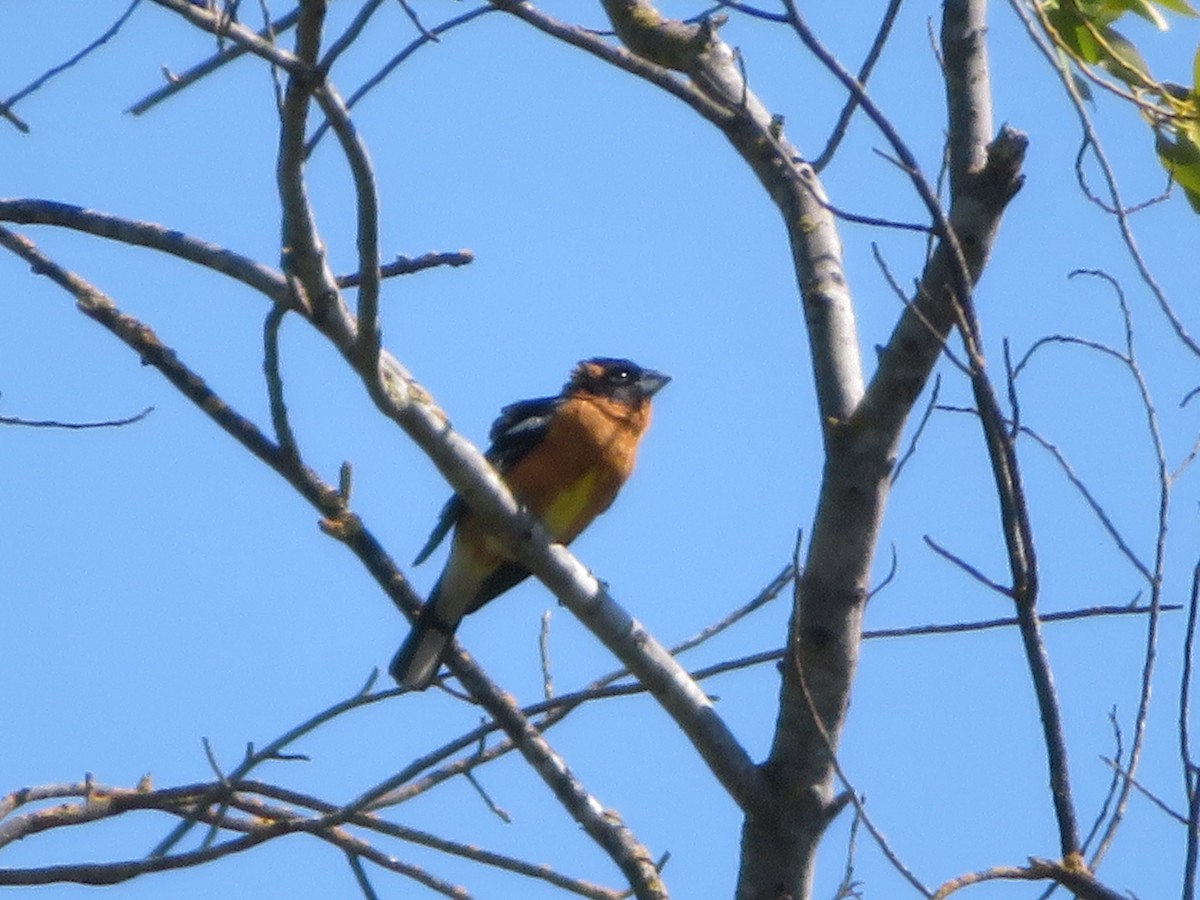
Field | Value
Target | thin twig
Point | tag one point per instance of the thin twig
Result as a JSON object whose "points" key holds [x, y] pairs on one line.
{"points": [[887, 579], [1078, 880], [1156, 571], [1144, 791], [404, 265], [41, 80], [76, 426], [1085, 492], [349, 36], [864, 74], [848, 889], [544, 656], [17, 122], [181, 80], [910, 305], [272, 35], [416, 20], [967, 567], [369, 344], [1190, 785], [362, 697], [1189, 865], [851, 795], [555, 710], [496, 810], [919, 430], [1114, 783], [392, 64], [284, 435], [360, 875], [747, 9]]}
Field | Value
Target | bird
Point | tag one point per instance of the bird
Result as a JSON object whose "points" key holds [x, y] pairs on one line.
{"points": [[565, 459]]}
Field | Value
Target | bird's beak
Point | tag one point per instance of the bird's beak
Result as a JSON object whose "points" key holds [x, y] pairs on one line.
{"points": [[652, 382]]}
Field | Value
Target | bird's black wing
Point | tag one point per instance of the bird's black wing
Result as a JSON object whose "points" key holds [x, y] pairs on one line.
{"points": [[519, 428]]}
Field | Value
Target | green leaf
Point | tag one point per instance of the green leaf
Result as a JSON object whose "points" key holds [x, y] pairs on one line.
{"points": [[1073, 33], [1145, 9], [1179, 153], [1178, 6], [1122, 59], [1100, 12]]}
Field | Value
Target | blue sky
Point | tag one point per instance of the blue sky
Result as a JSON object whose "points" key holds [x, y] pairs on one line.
{"points": [[160, 586]]}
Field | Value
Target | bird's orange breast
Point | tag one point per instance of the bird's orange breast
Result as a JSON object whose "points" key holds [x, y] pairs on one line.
{"points": [[574, 474]]}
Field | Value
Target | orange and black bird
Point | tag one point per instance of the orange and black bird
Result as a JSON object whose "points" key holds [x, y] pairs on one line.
{"points": [[565, 458]]}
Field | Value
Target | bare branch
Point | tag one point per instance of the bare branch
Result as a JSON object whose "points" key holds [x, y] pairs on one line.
{"points": [[492, 806], [1189, 865], [76, 426], [279, 414], [354, 860], [1084, 491], [304, 260], [392, 64], [1145, 792], [1080, 881], [848, 889], [404, 265], [416, 20], [851, 796], [271, 750], [1070, 615], [1110, 795], [1191, 782], [369, 335], [968, 568], [348, 37], [544, 656], [222, 26], [919, 430], [864, 74], [261, 278], [636, 63], [265, 823], [1156, 570], [7, 105], [181, 80]]}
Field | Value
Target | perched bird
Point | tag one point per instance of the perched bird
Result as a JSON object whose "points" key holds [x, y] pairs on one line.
{"points": [[565, 458]]}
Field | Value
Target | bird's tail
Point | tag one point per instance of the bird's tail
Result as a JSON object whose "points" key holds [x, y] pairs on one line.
{"points": [[420, 656]]}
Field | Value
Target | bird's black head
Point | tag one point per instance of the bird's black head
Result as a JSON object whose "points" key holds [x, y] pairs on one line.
{"points": [[620, 379]]}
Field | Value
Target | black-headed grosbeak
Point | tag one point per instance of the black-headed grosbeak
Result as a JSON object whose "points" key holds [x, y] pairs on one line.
{"points": [[565, 458]]}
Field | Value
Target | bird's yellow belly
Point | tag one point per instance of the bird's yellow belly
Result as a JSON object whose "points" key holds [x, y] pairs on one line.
{"points": [[563, 518]]}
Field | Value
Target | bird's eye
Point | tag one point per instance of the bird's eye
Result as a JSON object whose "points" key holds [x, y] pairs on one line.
{"points": [[621, 375]]}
